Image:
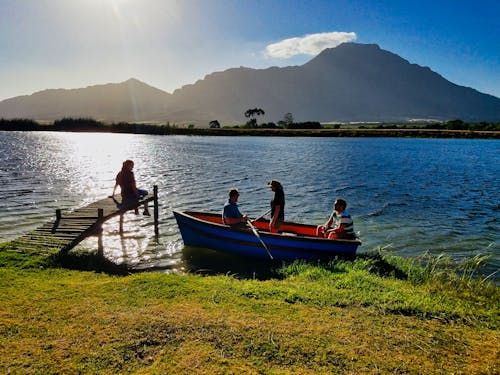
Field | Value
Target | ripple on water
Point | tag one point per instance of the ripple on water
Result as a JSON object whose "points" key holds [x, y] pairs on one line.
{"points": [[412, 195]]}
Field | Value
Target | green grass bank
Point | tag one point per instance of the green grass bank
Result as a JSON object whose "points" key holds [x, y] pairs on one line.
{"points": [[377, 314]]}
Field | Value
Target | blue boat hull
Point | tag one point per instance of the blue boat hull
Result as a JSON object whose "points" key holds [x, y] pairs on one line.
{"points": [[198, 232]]}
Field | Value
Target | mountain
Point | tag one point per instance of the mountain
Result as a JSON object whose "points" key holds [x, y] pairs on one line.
{"points": [[131, 100], [352, 82]]}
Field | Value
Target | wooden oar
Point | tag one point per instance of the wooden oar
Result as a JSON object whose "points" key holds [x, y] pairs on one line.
{"points": [[262, 215], [256, 232]]}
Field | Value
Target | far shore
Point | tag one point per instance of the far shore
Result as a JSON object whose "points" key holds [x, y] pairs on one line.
{"points": [[390, 130]]}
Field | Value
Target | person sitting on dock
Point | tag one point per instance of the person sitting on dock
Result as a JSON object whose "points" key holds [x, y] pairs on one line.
{"points": [[129, 192], [231, 214], [344, 225]]}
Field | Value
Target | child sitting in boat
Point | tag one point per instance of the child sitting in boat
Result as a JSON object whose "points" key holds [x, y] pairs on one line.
{"points": [[339, 225]]}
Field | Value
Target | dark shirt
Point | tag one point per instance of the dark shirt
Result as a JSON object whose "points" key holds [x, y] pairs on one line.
{"points": [[126, 180], [278, 199]]}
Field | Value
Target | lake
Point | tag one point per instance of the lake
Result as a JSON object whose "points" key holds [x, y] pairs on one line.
{"points": [[407, 195]]}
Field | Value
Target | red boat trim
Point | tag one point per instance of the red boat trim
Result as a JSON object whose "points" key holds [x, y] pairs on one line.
{"points": [[301, 237]]}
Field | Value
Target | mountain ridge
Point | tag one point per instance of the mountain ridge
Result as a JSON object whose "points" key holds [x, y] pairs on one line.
{"points": [[349, 83]]}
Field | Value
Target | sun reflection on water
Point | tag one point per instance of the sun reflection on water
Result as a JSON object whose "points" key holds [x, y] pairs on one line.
{"points": [[95, 157]]}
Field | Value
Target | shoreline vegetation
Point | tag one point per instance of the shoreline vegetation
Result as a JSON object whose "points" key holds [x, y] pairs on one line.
{"points": [[450, 129], [378, 313]]}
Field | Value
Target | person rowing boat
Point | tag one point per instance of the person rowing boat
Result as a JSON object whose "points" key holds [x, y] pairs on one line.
{"points": [[231, 214]]}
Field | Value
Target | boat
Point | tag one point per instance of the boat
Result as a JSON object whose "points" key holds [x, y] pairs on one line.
{"points": [[295, 241]]}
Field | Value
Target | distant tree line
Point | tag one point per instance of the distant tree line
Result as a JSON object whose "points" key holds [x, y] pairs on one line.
{"points": [[448, 125], [304, 125], [91, 125], [271, 125], [20, 124], [286, 123], [461, 125], [80, 124]]}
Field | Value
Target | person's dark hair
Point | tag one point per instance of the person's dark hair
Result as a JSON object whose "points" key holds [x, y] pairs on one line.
{"points": [[126, 163], [276, 184], [233, 192], [342, 202]]}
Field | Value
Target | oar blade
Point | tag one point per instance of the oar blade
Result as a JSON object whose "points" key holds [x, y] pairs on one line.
{"points": [[256, 232]]}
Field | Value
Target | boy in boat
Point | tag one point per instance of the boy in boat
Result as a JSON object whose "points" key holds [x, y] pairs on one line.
{"points": [[231, 214], [344, 226]]}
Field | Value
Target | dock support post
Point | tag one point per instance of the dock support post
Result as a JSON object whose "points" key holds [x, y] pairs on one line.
{"points": [[58, 214], [100, 247], [155, 213], [121, 223]]}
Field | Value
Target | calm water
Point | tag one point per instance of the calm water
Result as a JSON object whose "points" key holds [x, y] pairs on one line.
{"points": [[409, 195]]}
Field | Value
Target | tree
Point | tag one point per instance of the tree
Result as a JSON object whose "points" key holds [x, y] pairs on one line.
{"points": [[456, 125], [214, 124], [252, 113], [287, 120]]}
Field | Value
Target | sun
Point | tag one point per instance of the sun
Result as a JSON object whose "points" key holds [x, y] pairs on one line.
{"points": [[117, 6]]}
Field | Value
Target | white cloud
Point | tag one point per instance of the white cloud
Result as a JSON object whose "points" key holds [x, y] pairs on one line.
{"points": [[310, 44]]}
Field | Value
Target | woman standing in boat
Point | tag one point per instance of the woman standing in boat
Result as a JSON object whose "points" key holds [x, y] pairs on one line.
{"points": [[277, 206]]}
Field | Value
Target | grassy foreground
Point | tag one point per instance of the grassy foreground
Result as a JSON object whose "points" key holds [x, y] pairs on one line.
{"points": [[378, 314]]}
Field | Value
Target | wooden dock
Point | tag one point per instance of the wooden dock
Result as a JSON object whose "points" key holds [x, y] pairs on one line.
{"points": [[69, 229]]}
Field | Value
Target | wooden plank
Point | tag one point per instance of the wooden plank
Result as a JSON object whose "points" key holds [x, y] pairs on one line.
{"points": [[68, 225], [76, 225], [59, 235], [72, 227], [63, 228], [45, 242], [29, 244], [79, 217], [55, 228]]}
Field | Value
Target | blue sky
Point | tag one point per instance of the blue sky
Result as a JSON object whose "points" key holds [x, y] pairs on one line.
{"points": [[169, 43]]}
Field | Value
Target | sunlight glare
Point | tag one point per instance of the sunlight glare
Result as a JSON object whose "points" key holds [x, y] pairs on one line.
{"points": [[101, 155], [116, 5]]}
